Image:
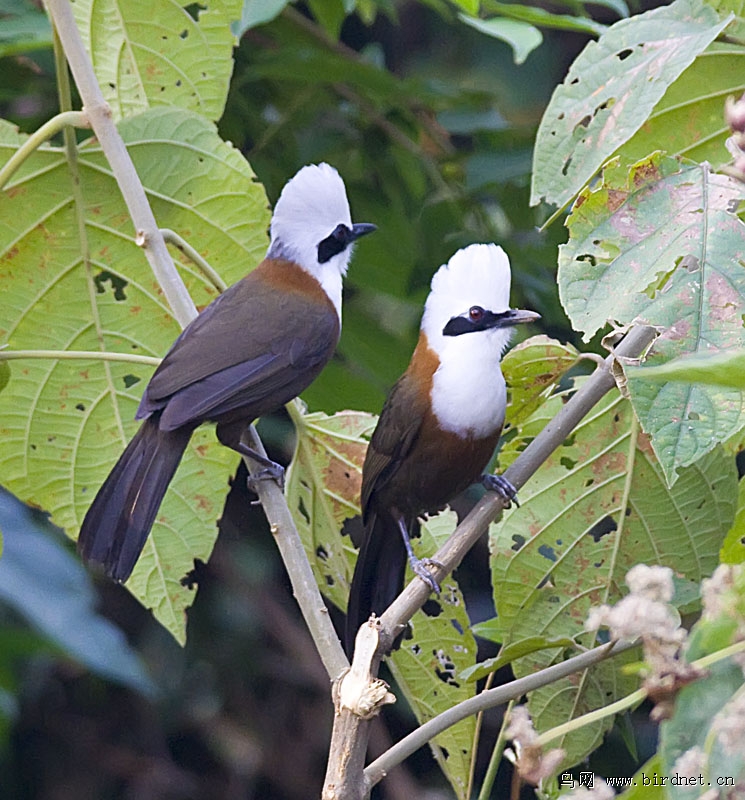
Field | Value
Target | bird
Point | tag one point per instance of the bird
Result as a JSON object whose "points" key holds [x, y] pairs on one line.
{"points": [[439, 425], [254, 348]]}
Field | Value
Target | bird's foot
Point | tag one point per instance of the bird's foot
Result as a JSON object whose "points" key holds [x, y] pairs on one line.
{"points": [[500, 485], [271, 472], [421, 568]]}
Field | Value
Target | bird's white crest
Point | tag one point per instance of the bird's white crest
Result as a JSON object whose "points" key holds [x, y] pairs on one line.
{"points": [[468, 391], [311, 205]]}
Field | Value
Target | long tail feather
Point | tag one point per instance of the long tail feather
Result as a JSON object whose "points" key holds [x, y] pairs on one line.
{"points": [[119, 520], [378, 576]]}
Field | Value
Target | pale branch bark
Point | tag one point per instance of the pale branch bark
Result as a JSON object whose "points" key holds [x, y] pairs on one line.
{"points": [[344, 779], [149, 236], [304, 586], [99, 116], [513, 690]]}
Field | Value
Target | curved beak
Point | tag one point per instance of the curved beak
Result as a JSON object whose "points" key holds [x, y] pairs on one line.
{"points": [[362, 229]]}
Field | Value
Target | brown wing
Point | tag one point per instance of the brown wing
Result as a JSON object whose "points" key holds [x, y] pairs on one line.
{"points": [[393, 438], [255, 347]]}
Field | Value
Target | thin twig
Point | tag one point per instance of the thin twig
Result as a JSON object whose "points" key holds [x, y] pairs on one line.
{"points": [[76, 119], [98, 112], [488, 699]]}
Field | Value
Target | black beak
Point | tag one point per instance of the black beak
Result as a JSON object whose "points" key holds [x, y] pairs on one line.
{"points": [[362, 229], [513, 316], [504, 319]]}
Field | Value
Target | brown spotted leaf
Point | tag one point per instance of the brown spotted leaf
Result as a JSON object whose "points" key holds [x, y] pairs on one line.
{"points": [[662, 243], [323, 492], [596, 507]]}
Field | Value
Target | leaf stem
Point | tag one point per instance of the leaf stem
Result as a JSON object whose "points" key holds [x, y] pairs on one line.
{"points": [[75, 119], [212, 275], [496, 756], [71, 355]]}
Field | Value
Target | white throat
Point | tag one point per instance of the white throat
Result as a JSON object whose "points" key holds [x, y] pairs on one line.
{"points": [[469, 395]]}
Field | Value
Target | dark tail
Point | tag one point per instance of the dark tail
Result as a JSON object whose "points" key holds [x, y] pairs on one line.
{"points": [[118, 522], [378, 576]]}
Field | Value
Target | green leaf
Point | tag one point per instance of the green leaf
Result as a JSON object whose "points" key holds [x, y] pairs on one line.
{"points": [[154, 52], [428, 666], [330, 15], [532, 370], [614, 510], [643, 785], [471, 7], [688, 120], [510, 653], [49, 588], [733, 548], [610, 91], [545, 19], [257, 12], [522, 37], [661, 243], [718, 369], [63, 424], [23, 27], [323, 490]]}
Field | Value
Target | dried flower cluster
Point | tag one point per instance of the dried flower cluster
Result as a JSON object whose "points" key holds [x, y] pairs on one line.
{"points": [[532, 763], [734, 116], [645, 613]]}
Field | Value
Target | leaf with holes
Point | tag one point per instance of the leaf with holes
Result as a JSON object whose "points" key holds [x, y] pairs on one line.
{"points": [[532, 369], [429, 662], [74, 279], [156, 52], [611, 90], [662, 243], [596, 507], [323, 492], [689, 119]]}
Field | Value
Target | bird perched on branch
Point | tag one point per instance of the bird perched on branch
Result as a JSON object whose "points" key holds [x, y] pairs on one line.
{"points": [[440, 424], [253, 349]]}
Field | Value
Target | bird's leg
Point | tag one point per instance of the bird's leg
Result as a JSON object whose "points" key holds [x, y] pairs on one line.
{"points": [[230, 436], [418, 565], [500, 485]]}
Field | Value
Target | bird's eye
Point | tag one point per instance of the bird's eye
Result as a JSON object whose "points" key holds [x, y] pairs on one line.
{"points": [[475, 313]]}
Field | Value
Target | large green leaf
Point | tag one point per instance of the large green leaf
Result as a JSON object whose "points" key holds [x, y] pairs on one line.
{"points": [[726, 368], [662, 243], [596, 507], [73, 278], [157, 52], [610, 90], [689, 119], [428, 665]]}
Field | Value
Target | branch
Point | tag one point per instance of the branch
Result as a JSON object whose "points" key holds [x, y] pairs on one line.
{"points": [[99, 116], [304, 586], [350, 733], [488, 699]]}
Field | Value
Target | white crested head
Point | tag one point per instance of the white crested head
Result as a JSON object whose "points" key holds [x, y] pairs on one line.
{"points": [[468, 390], [310, 208], [476, 276]]}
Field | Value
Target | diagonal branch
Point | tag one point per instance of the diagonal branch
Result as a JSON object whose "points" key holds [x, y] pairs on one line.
{"points": [[344, 777]]}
